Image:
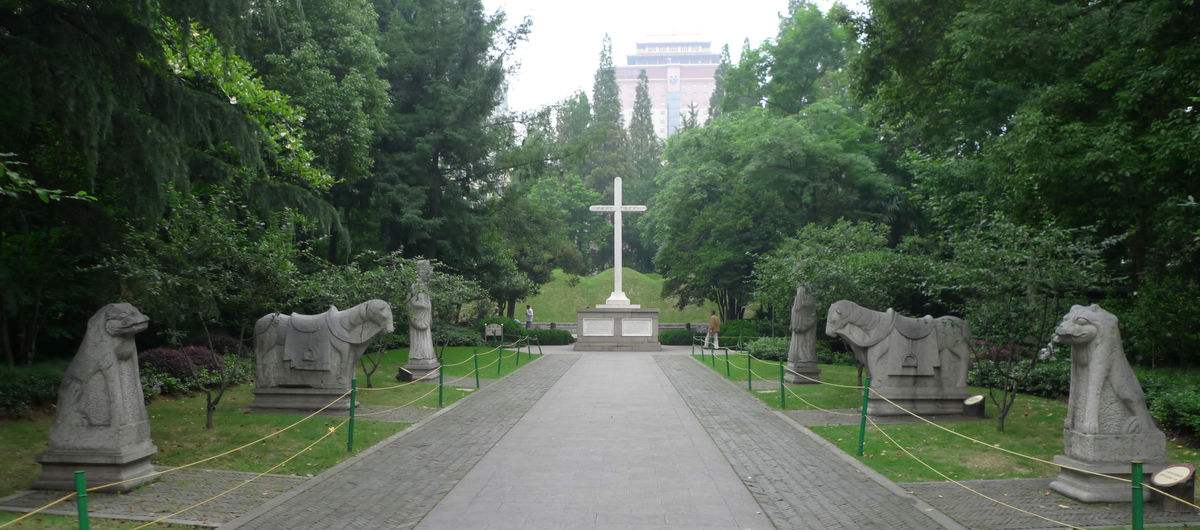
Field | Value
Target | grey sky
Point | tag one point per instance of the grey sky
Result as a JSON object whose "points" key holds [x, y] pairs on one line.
{"points": [[561, 54]]}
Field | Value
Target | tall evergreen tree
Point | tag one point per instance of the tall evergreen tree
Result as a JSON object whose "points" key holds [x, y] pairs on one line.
{"points": [[646, 151], [718, 94], [610, 150], [572, 122], [744, 82]]}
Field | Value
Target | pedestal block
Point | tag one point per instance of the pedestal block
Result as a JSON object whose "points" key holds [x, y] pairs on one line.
{"points": [[1109, 454], [617, 329]]}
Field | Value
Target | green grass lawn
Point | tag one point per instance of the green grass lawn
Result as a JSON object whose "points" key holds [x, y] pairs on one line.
{"points": [[557, 301], [453, 357], [1034, 427], [178, 425], [64, 522]]}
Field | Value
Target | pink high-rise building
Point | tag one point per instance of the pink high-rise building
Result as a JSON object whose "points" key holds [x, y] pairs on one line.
{"points": [[680, 73]]}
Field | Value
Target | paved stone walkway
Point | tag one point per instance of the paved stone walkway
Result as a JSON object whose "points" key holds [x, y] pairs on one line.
{"points": [[1031, 494], [611, 445], [396, 482], [800, 481], [173, 491]]}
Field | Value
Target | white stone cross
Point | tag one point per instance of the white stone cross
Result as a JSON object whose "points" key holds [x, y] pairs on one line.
{"points": [[617, 298]]}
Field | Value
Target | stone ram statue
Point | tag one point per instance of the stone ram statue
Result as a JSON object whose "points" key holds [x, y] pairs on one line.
{"points": [[920, 363], [1107, 423], [305, 361]]}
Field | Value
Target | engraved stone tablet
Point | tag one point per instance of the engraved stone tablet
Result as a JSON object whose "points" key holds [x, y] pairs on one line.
{"points": [[598, 327], [637, 327], [1171, 476]]}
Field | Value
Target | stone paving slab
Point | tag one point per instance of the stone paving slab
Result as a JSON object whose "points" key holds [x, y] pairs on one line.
{"points": [[800, 481], [173, 491], [1031, 494], [395, 483], [610, 445]]}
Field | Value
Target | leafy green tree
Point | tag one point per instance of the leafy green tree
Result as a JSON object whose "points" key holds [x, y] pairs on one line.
{"points": [[590, 234], [717, 99], [810, 45], [646, 150], [733, 189], [744, 82], [610, 156], [573, 119]]}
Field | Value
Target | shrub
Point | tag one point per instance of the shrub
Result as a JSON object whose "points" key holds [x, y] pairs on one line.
{"points": [[224, 344], [181, 363], [551, 337], [829, 355], [1050, 379], [25, 389], [676, 337], [737, 330], [512, 328], [768, 348], [453, 335]]}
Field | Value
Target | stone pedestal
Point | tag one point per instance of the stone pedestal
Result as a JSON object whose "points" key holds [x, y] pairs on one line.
{"points": [[424, 369], [617, 329], [102, 467], [299, 399], [1109, 454], [923, 400], [808, 369]]}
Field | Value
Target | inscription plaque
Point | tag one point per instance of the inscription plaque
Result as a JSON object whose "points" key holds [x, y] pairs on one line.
{"points": [[598, 327], [637, 327]]}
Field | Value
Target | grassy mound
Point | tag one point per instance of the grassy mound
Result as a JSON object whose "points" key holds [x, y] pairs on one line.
{"points": [[558, 300]]}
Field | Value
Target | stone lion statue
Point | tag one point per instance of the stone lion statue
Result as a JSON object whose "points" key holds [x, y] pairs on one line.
{"points": [[101, 425], [1106, 397]]}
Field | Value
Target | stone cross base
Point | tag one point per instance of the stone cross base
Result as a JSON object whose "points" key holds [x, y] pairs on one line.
{"points": [[1109, 454], [921, 400], [424, 369], [1091, 488], [808, 369], [59, 467], [617, 329], [300, 399]]}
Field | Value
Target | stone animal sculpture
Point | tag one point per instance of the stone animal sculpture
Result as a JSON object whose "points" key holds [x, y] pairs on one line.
{"points": [[921, 363], [1107, 423], [316, 351], [101, 425], [802, 349]]}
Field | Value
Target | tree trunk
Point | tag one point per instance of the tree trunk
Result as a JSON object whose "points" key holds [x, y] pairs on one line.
{"points": [[4, 338], [512, 307]]}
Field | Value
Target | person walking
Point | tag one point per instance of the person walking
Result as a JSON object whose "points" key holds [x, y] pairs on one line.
{"points": [[528, 317], [714, 326]]}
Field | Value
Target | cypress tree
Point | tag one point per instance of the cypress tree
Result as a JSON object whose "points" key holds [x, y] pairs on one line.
{"points": [[718, 95], [610, 156]]}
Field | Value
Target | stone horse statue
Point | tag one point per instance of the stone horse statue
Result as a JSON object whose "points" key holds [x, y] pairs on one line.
{"points": [[1107, 423], [101, 425], [314, 352], [920, 363]]}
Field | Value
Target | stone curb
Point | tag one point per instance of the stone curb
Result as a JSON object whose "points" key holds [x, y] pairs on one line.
{"points": [[271, 504], [933, 513]]}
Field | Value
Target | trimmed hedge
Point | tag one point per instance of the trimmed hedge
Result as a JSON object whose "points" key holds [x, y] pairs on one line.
{"points": [[181, 363], [27, 388], [676, 337], [738, 330], [452, 335], [550, 337]]}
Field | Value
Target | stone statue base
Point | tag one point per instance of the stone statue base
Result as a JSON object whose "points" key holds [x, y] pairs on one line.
{"points": [[1085, 451], [299, 399], [59, 467], [921, 400], [424, 369], [808, 369], [617, 329]]}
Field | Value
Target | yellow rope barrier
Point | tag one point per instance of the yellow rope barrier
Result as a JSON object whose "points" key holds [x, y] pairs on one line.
{"points": [[827, 411], [1189, 503], [247, 481], [960, 484], [184, 466]]}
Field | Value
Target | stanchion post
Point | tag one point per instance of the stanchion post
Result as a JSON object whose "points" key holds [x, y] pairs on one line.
{"points": [[1135, 479], [475, 361], [499, 360], [441, 384], [862, 419], [81, 500], [727, 373], [782, 393], [350, 422], [749, 374]]}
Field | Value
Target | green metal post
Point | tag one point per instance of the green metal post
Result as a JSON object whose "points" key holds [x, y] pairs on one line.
{"points": [[1136, 478], [475, 361], [441, 384], [499, 360], [782, 392], [350, 422], [81, 500], [862, 420], [727, 373], [749, 374], [693, 347]]}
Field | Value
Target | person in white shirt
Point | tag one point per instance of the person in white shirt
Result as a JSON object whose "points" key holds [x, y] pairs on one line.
{"points": [[528, 317]]}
